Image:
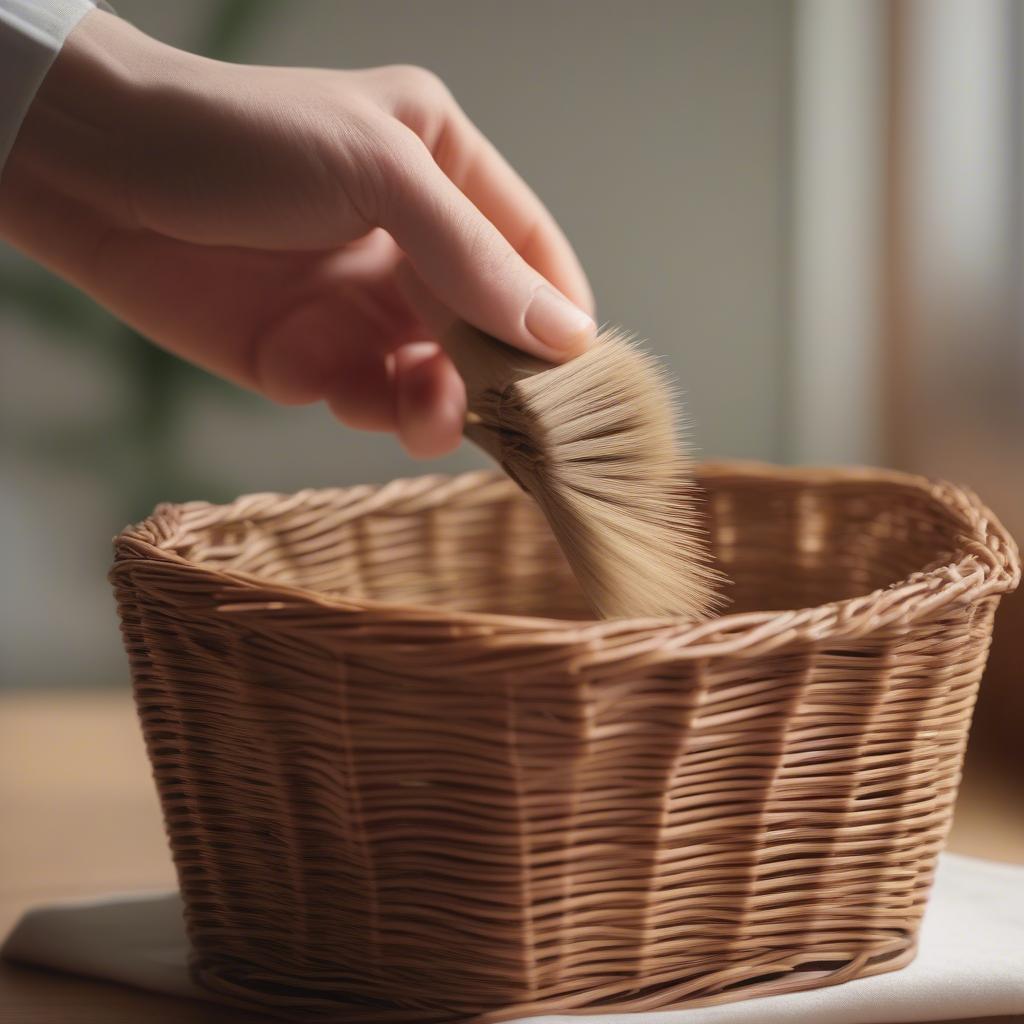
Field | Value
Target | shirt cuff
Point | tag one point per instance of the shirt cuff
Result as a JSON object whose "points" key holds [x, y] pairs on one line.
{"points": [[31, 35]]}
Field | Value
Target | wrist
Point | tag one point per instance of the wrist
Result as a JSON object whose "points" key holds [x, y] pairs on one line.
{"points": [[75, 148]]}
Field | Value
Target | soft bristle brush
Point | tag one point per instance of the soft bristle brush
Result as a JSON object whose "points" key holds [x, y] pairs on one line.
{"points": [[595, 442]]}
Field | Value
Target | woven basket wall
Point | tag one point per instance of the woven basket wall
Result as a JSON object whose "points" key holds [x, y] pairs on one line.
{"points": [[406, 779]]}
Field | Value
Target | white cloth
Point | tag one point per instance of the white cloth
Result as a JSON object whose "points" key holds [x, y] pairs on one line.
{"points": [[970, 961], [31, 35]]}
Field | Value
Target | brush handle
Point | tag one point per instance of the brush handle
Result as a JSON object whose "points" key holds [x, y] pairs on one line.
{"points": [[488, 367]]}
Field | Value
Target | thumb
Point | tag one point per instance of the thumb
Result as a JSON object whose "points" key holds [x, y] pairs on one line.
{"points": [[468, 264]]}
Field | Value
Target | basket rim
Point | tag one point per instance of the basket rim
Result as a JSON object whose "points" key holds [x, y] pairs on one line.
{"points": [[986, 563]]}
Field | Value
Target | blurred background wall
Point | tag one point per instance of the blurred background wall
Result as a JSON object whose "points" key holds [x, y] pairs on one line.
{"points": [[813, 208]]}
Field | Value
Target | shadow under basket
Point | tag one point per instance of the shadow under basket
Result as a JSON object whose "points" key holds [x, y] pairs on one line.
{"points": [[405, 777]]}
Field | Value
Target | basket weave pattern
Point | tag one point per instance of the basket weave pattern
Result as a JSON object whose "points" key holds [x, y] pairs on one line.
{"points": [[406, 778]]}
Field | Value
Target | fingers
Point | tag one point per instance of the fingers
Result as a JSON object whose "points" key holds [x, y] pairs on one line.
{"points": [[468, 263], [436, 317], [343, 336], [413, 391], [430, 400], [360, 393], [514, 209], [421, 101]]}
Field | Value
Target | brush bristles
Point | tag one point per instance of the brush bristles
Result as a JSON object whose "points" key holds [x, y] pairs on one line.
{"points": [[597, 444]]}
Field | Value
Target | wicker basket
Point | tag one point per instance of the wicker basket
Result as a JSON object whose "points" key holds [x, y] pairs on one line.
{"points": [[406, 779]]}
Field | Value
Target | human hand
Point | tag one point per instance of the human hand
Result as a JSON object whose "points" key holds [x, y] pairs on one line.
{"points": [[302, 232]]}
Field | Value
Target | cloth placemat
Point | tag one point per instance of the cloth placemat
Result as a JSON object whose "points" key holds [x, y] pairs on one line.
{"points": [[970, 960]]}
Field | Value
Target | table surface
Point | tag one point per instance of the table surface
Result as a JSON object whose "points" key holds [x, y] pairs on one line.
{"points": [[81, 819]]}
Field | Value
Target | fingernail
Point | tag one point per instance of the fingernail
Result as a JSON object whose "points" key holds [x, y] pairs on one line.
{"points": [[554, 321]]}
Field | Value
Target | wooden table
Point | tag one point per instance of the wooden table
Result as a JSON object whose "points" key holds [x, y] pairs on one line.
{"points": [[80, 818]]}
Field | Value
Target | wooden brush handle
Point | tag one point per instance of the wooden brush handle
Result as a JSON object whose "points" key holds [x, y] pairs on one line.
{"points": [[488, 367]]}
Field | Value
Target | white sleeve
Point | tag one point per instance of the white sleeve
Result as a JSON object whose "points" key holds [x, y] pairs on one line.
{"points": [[31, 35]]}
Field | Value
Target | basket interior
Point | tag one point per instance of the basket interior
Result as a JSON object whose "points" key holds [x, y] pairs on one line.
{"points": [[783, 544]]}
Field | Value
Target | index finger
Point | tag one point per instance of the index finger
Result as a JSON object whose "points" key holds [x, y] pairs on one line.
{"points": [[485, 177]]}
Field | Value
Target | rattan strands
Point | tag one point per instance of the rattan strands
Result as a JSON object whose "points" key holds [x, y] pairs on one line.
{"points": [[405, 778]]}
